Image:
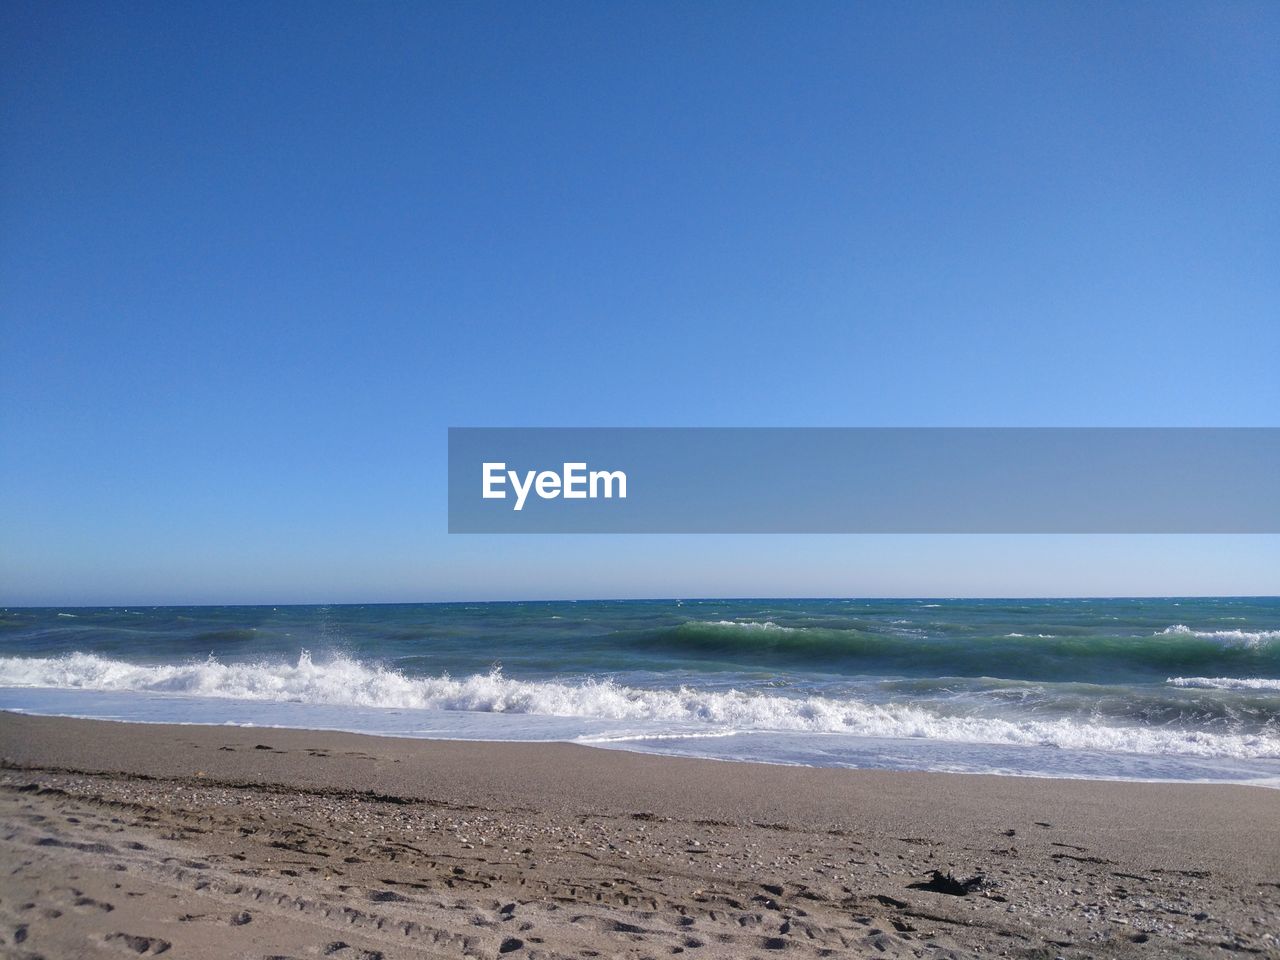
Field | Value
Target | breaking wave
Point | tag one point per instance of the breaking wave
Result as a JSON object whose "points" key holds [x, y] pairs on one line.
{"points": [[1040, 651], [342, 681], [742, 625], [1248, 638], [1225, 683]]}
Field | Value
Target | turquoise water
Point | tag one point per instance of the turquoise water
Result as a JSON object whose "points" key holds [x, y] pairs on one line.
{"points": [[1142, 688]]}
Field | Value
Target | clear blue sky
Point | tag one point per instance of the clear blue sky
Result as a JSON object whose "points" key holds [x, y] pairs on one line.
{"points": [[256, 258]]}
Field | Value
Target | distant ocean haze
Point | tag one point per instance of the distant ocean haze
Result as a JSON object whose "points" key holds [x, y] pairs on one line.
{"points": [[1130, 688]]}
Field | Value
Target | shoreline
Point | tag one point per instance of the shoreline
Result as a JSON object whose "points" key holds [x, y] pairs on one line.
{"points": [[1268, 783], [555, 830]]}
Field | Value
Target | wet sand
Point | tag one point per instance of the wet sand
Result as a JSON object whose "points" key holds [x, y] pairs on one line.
{"points": [[136, 840]]}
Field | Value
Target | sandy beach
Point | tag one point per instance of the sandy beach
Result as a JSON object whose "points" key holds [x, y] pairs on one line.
{"points": [[230, 842]]}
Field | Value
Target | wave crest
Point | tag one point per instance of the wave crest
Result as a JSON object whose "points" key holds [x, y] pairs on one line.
{"points": [[1245, 638], [741, 625], [1225, 683]]}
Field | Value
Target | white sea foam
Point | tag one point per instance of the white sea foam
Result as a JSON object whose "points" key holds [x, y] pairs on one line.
{"points": [[1225, 683], [1245, 638], [342, 681], [746, 625]]}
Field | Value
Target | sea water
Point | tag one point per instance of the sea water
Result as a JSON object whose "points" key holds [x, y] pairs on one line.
{"points": [[1152, 689]]}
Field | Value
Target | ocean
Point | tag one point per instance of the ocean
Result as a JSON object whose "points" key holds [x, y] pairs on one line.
{"points": [[1145, 689]]}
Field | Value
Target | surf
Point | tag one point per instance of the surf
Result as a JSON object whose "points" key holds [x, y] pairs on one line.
{"points": [[343, 681]]}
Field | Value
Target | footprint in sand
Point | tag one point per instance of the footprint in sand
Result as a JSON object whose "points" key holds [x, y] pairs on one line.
{"points": [[143, 946], [89, 903], [344, 950]]}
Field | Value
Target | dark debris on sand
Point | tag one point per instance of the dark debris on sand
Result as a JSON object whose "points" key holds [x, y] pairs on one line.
{"points": [[947, 883]]}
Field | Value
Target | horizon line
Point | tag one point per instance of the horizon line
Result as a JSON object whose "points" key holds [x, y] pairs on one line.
{"points": [[672, 599]]}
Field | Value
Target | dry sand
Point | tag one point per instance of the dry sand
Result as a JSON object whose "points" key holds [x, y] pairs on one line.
{"points": [[122, 840]]}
